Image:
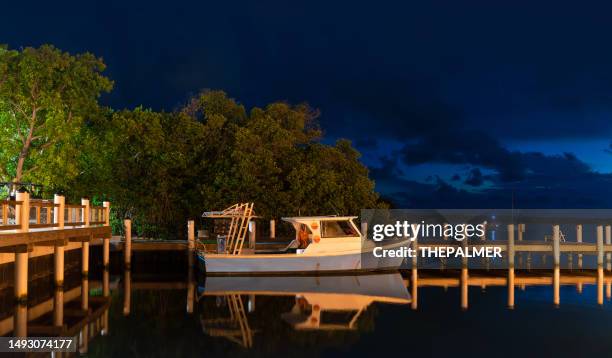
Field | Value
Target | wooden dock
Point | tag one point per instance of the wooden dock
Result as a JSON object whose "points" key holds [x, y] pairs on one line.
{"points": [[31, 227]]}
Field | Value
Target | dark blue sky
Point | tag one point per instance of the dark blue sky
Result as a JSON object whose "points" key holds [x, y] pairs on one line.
{"points": [[453, 104]]}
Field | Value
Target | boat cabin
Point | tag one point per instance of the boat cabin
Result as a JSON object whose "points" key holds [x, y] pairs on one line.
{"points": [[320, 234]]}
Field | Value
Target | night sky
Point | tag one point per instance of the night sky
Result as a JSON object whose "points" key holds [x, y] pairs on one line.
{"points": [[452, 104]]}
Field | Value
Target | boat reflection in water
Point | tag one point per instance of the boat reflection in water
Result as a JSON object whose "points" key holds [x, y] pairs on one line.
{"points": [[320, 303]]}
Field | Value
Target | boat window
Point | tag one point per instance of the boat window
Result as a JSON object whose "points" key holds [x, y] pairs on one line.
{"points": [[337, 229]]}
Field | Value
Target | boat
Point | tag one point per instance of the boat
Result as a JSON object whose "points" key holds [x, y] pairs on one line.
{"points": [[322, 245]]}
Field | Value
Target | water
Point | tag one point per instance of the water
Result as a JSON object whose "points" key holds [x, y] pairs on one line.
{"points": [[150, 313]]}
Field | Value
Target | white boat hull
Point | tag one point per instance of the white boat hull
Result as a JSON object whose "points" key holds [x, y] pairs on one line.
{"points": [[295, 263]]}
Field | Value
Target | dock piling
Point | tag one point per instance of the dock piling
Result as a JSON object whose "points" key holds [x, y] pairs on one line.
{"points": [[58, 260], [511, 245], [579, 240], [127, 248], [85, 211], [191, 235], [608, 242], [600, 247], [21, 276], [58, 308], [556, 246], [272, 229]]}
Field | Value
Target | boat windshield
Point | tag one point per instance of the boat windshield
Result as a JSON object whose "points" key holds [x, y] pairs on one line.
{"points": [[337, 228]]}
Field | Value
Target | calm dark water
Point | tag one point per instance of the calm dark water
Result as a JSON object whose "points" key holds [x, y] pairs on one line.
{"points": [[164, 310], [158, 324]]}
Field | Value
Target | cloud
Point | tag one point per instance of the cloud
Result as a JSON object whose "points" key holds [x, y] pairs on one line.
{"points": [[475, 178]]}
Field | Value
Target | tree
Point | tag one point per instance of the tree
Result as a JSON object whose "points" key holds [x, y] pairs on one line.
{"points": [[45, 97]]}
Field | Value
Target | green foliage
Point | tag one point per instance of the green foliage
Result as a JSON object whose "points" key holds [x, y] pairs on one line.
{"points": [[46, 96], [161, 168]]}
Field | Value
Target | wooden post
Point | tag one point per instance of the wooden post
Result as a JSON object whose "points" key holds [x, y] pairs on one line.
{"points": [[85, 258], [521, 231], [106, 206], [464, 288], [20, 321], [84, 294], [608, 242], [58, 211], [191, 234], [252, 234], [511, 288], [21, 277], [579, 240], [85, 214], [364, 230], [127, 247], [58, 263], [600, 247], [511, 245], [22, 213], [106, 283], [556, 246], [58, 308], [272, 229], [106, 252]]}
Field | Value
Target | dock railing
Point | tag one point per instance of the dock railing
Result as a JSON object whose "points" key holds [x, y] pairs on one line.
{"points": [[55, 213]]}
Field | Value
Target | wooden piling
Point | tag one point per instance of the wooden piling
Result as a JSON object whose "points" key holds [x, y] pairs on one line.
{"points": [[85, 258], [464, 288], [364, 230], [85, 294], [191, 234], [127, 248], [21, 277], [252, 234], [272, 229], [511, 288], [106, 283], [511, 246], [58, 308], [58, 261], [22, 212], [58, 210], [106, 206], [106, 252], [608, 242], [579, 240], [556, 246], [85, 211], [521, 231], [20, 322], [600, 247]]}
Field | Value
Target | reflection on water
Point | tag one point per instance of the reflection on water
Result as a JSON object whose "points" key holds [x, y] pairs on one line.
{"points": [[139, 314]]}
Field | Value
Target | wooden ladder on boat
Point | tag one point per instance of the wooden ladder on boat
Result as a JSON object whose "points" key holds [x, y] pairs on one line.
{"points": [[239, 227], [240, 216]]}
